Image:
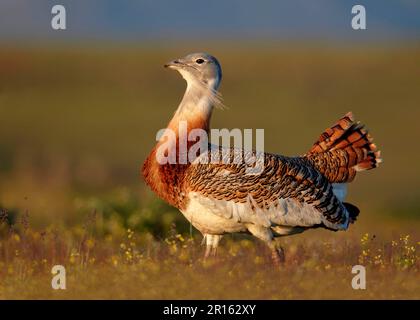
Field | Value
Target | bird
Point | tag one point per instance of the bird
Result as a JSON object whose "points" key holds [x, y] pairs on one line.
{"points": [[288, 196]]}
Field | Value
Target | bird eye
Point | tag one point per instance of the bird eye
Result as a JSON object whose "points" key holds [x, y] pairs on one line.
{"points": [[199, 61]]}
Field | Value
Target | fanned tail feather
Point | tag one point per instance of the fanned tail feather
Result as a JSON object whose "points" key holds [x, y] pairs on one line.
{"points": [[344, 149]]}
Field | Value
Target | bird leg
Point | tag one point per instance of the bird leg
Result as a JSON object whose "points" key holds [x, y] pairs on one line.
{"points": [[277, 254], [266, 235], [207, 252], [212, 242]]}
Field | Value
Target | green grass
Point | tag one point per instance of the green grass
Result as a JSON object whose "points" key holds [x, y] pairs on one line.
{"points": [[135, 265]]}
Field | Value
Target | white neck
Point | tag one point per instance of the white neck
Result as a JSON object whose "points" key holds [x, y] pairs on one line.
{"points": [[196, 106], [199, 98]]}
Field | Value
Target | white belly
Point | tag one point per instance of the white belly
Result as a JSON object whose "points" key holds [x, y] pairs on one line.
{"points": [[205, 219], [220, 216]]}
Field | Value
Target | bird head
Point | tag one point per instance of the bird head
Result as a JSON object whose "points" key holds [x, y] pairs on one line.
{"points": [[198, 69]]}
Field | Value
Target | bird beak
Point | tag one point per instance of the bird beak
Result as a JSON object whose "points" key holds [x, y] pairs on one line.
{"points": [[174, 64]]}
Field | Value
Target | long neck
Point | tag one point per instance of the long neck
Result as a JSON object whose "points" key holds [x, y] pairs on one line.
{"points": [[196, 106]]}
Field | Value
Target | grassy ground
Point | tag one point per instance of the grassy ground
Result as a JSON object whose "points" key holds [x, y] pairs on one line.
{"points": [[135, 265], [78, 122]]}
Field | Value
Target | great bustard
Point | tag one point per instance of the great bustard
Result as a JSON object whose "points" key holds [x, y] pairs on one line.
{"points": [[290, 195]]}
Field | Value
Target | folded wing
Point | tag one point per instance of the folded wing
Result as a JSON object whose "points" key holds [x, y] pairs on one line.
{"points": [[291, 178]]}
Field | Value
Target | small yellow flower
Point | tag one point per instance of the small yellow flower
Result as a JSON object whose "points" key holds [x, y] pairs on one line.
{"points": [[130, 233], [258, 260], [90, 243], [114, 260], [16, 237], [364, 240]]}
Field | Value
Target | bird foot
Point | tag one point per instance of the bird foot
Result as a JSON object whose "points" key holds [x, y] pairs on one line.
{"points": [[210, 252]]}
